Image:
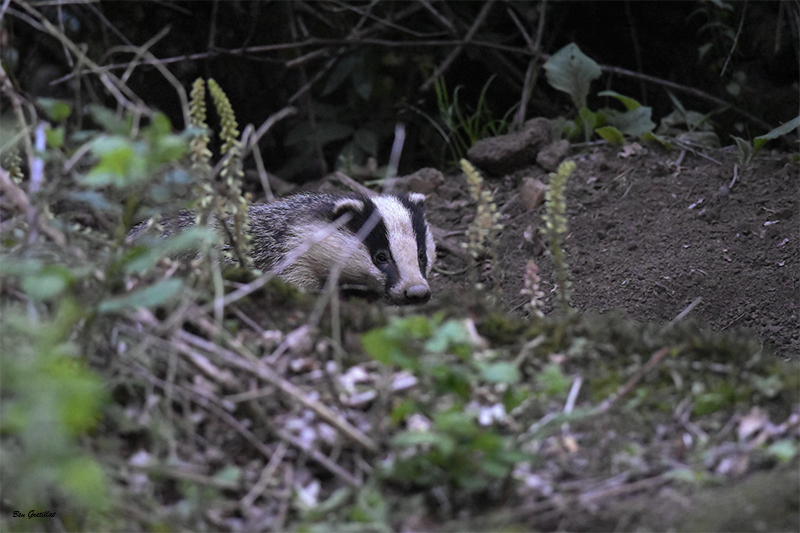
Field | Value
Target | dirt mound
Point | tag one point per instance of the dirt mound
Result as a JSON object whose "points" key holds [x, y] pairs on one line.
{"points": [[652, 230]]}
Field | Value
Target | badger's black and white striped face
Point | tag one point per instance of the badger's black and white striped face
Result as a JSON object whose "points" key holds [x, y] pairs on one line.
{"points": [[398, 252]]}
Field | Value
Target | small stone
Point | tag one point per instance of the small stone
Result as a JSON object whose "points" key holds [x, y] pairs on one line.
{"points": [[552, 155], [424, 180], [505, 153], [531, 193]]}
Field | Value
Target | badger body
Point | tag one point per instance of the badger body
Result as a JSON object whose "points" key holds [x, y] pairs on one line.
{"points": [[381, 245], [378, 246]]}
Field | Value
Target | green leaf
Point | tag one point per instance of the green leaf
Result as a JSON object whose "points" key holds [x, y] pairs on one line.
{"points": [[455, 423], [444, 443], [501, 373], [589, 118], [777, 132], [344, 67], [611, 134], [151, 296], [116, 154], [629, 103], [83, 479], [56, 110], [552, 380], [660, 139], [96, 201], [784, 450], [55, 137], [160, 124], [571, 71], [450, 333], [143, 258], [46, 283], [635, 123], [108, 120]]}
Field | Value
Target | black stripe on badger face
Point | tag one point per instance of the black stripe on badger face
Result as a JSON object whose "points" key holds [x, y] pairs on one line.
{"points": [[416, 208], [377, 241]]}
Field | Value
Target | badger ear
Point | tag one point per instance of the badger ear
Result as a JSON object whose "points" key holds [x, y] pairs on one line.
{"points": [[416, 198], [346, 205]]}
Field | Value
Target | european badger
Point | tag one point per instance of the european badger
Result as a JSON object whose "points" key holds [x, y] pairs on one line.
{"points": [[381, 244]]}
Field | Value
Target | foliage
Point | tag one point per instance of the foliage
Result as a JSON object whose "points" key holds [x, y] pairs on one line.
{"points": [[747, 151], [556, 228], [571, 71], [461, 131], [66, 294], [483, 229], [444, 443]]}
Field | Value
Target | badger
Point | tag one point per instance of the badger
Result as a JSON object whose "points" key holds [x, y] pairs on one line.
{"points": [[380, 246]]}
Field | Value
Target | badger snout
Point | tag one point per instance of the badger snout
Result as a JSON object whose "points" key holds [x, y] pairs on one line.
{"points": [[416, 294]]}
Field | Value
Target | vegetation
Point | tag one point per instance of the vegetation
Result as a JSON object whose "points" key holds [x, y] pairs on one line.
{"points": [[146, 386]]}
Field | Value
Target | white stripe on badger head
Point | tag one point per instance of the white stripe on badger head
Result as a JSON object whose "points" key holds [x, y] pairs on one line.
{"points": [[402, 240]]}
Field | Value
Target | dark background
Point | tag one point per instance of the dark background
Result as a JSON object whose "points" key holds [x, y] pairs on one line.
{"points": [[393, 47]]}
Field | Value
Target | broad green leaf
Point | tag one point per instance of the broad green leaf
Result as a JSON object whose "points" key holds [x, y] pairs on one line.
{"points": [[83, 479], [108, 120], [589, 118], [56, 110], [55, 137], [785, 129], [552, 380], [362, 80], [48, 282], [571, 71], [151, 296], [635, 123], [611, 134], [450, 333], [629, 103], [116, 154], [160, 124], [344, 67]]}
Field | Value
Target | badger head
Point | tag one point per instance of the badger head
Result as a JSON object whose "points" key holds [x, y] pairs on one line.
{"points": [[393, 250]]}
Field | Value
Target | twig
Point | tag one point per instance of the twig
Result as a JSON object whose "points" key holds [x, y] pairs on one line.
{"points": [[685, 312], [735, 176], [625, 389], [688, 90], [458, 49], [354, 185], [735, 40], [22, 203], [255, 367]]}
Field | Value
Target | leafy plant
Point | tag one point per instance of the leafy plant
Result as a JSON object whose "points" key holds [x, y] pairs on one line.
{"points": [[63, 294], [571, 71], [748, 150], [556, 228], [444, 443]]}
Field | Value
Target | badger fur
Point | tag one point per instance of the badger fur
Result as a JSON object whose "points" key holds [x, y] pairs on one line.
{"points": [[380, 246]]}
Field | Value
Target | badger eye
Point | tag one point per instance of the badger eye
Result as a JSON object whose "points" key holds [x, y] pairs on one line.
{"points": [[421, 257], [381, 257]]}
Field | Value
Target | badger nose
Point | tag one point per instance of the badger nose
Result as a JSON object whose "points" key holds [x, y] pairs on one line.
{"points": [[417, 294]]}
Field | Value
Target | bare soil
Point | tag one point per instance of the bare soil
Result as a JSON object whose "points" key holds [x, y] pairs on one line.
{"points": [[651, 231]]}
